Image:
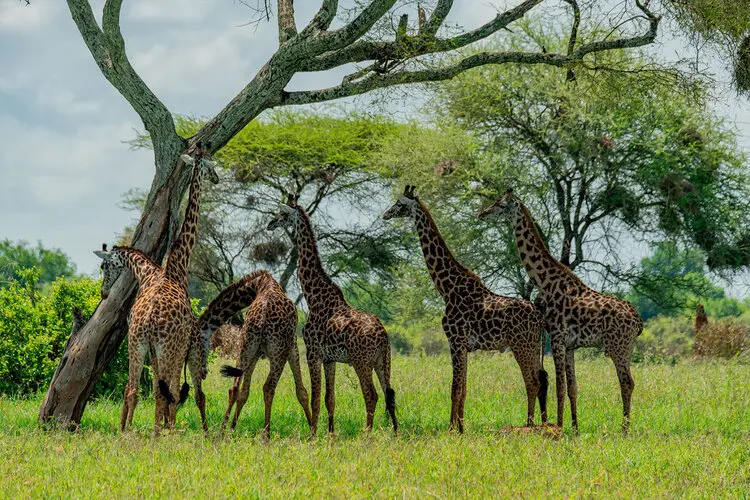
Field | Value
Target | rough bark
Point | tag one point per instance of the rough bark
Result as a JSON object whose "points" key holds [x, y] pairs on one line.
{"points": [[314, 48]]}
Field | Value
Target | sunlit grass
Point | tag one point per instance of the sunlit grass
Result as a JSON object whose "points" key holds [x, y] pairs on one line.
{"points": [[690, 435]]}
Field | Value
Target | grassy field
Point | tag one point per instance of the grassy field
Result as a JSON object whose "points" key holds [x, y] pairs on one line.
{"points": [[690, 437]]}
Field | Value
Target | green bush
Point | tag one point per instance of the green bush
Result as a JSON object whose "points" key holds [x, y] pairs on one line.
{"points": [[34, 327], [665, 339]]}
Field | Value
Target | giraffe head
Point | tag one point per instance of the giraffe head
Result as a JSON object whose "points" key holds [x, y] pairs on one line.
{"points": [[288, 215], [405, 207], [206, 168], [506, 208], [112, 265]]}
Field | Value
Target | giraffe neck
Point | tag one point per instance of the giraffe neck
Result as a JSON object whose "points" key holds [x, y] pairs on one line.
{"points": [[139, 264], [178, 260], [446, 272], [231, 301], [317, 286], [546, 271]]}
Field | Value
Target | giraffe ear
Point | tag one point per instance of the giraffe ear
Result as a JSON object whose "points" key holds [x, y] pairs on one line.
{"points": [[102, 255], [187, 160], [286, 208]]}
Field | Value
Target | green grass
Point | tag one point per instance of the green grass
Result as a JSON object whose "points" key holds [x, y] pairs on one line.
{"points": [[690, 437]]}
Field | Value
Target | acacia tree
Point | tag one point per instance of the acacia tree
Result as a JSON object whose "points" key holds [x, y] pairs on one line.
{"points": [[604, 162], [329, 162], [409, 53]]}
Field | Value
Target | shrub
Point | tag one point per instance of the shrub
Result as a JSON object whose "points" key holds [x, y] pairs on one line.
{"points": [[725, 338], [35, 326], [664, 339]]}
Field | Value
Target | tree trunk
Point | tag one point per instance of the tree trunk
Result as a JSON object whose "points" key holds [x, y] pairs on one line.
{"points": [[90, 350]]}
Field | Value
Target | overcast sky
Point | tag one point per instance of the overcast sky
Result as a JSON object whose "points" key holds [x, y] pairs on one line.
{"points": [[63, 163]]}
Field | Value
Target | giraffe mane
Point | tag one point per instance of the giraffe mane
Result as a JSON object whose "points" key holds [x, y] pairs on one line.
{"points": [[449, 253], [538, 240]]}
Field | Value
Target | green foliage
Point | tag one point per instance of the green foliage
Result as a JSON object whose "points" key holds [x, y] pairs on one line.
{"points": [[602, 161], [665, 339], [688, 439], [331, 162], [51, 263], [673, 281], [35, 326]]}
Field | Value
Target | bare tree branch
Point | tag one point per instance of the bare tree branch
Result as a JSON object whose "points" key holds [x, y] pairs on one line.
{"points": [[287, 27], [442, 9], [108, 49]]}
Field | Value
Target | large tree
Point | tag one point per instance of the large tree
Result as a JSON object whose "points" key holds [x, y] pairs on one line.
{"points": [[406, 53], [606, 163], [330, 162], [725, 25]]}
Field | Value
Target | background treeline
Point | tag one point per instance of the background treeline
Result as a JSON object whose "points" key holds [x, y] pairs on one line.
{"points": [[635, 182]]}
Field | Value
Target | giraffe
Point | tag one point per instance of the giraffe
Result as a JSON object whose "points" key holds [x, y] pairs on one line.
{"points": [[269, 331], [575, 315], [161, 320], [475, 318], [335, 332]]}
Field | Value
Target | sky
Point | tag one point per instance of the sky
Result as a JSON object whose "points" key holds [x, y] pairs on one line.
{"points": [[64, 162]]}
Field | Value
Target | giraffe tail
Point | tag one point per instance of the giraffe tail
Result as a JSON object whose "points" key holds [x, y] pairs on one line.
{"points": [[164, 390], [185, 389], [543, 381], [230, 371]]}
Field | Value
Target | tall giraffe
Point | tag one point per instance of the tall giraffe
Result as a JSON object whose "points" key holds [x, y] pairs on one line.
{"points": [[269, 331], [335, 332], [475, 318], [161, 322], [575, 315]]}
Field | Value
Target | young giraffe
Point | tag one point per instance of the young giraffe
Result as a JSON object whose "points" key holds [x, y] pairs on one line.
{"points": [[335, 332], [161, 321], [575, 315], [475, 318], [269, 331]]}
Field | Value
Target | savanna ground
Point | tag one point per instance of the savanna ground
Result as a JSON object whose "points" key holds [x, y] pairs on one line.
{"points": [[690, 437]]}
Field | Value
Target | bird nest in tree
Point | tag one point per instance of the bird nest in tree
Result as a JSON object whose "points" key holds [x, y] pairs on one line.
{"points": [[226, 341], [742, 66], [269, 252]]}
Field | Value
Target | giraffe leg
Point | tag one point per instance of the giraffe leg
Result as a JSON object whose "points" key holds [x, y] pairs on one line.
{"points": [[195, 362], [245, 390], [277, 364], [135, 367], [160, 402], [627, 384], [458, 388], [526, 361], [383, 370], [248, 356], [330, 371], [570, 376], [174, 388], [314, 362], [558, 355], [368, 391], [299, 385]]}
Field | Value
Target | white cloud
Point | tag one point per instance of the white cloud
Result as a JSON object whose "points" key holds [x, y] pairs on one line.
{"points": [[216, 63], [53, 96], [17, 17], [170, 10]]}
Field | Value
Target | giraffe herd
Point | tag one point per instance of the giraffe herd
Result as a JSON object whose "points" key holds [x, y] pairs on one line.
{"points": [[163, 326]]}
